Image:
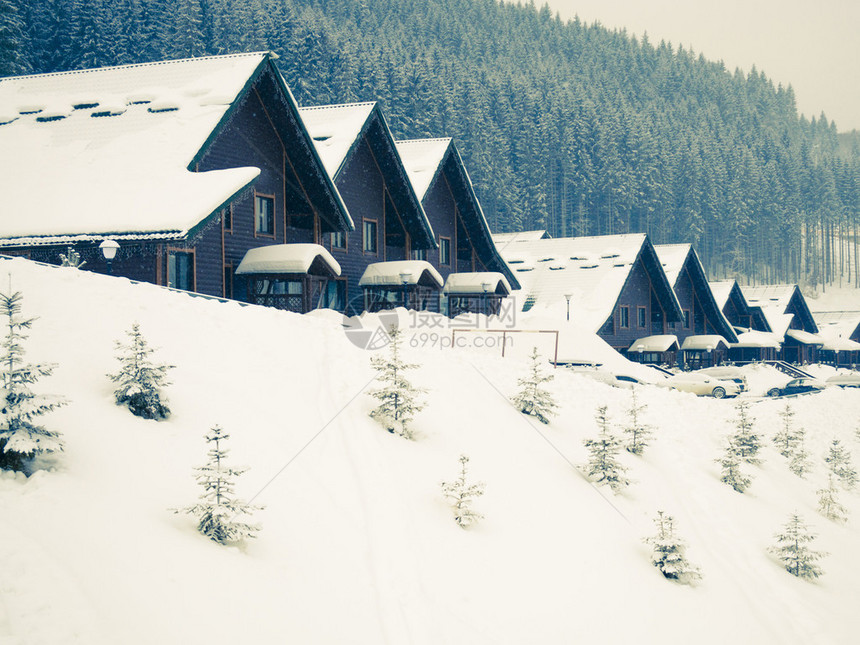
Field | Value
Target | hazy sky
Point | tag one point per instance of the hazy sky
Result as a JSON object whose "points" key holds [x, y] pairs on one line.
{"points": [[814, 47]]}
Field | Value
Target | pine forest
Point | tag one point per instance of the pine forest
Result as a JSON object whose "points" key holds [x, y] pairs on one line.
{"points": [[563, 125]]}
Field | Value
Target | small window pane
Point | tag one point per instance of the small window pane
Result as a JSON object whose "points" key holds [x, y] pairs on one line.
{"points": [[369, 236], [444, 251], [264, 215]]}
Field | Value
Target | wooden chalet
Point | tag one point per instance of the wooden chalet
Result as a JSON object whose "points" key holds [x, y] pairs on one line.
{"points": [[789, 318], [704, 332], [840, 331], [187, 164], [755, 341], [359, 154], [612, 284], [464, 244]]}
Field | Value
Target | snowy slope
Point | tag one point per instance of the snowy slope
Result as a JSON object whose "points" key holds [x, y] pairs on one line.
{"points": [[357, 545]]}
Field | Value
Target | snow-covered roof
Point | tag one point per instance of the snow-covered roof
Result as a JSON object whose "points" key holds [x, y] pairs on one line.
{"points": [[657, 343], [755, 338], [839, 344], [288, 258], [74, 147], [580, 267], [837, 324], [398, 272], [704, 342], [422, 159], [501, 239], [473, 282], [773, 301], [804, 337], [672, 257], [335, 129], [721, 291]]}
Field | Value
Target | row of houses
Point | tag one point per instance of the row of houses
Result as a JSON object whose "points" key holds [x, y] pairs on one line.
{"points": [[205, 175], [211, 179], [655, 304]]}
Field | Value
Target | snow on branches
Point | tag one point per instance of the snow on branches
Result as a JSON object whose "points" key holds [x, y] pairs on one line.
{"points": [[793, 551], [140, 380], [533, 398], [603, 466], [669, 552], [460, 495], [218, 508], [399, 400], [21, 438]]}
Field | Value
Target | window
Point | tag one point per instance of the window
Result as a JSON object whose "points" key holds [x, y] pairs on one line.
{"points": [[419, 254], [264, 215], [180, 270], [369, 236], [338, 240], [228, 280], [624, 317], [686, 319], [227, 218], [640, 313], [445, 251]]}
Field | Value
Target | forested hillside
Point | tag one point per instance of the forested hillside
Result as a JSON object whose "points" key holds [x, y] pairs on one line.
{"points": [[563, 125]]}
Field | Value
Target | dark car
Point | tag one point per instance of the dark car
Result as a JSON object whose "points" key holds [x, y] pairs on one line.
{"points": [[798, 386]]}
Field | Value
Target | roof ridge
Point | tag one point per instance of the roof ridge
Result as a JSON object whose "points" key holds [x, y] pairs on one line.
{"points": [[154, 63], [427, 140], [336, 105]]}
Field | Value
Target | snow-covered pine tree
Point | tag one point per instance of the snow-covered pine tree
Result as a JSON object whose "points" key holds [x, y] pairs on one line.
{"points": [[793, 551], [603, 465], [838, 461], [799, 463], [217, 510], [828, 501], [20, 438], [731, 473], [669, 552], [140, 380], [71, 258], [785, 439], [460, 495], [398, 399], [638, 432], [746, 442], [533, 398]]}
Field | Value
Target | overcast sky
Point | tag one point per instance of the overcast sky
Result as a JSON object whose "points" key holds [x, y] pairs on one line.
{"points": [[814, 47]]}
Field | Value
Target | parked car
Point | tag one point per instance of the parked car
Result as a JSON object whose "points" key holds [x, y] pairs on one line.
{"points": [[726, 373], [702, 385], [844, 380], [605, 376], [798, 386]]}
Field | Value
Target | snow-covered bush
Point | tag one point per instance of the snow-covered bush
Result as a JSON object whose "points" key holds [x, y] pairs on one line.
{"points": [[603, 466], [21, 438], [140, 380], [637, 431], [399, 400], [669, 552], [829, 505], [533, 398], [745, 440], [217, 511], [793, 551], [71, 258], [838, 461], [460, 495], [731, 469]]}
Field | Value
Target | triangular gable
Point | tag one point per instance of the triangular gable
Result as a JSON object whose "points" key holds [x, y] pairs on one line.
{"points": [[838, 324], [780, 300], [338, 130], [675, 258], [425, 161], [591, 270]]}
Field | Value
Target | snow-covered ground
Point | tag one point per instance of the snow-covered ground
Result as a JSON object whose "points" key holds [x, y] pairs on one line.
{"points": [[357, 545]]}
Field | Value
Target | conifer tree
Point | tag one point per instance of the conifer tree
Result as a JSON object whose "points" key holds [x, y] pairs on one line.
{"points": [[828, 501], [669, 552], [603, 465], [460, 495], [217, 508], [21, 438], [745, 441], [533, 398], [838, 461], [798, 463], [786, 438], [793, 551], [638, 432], [398, 399], [140, 380], [731, 473]]}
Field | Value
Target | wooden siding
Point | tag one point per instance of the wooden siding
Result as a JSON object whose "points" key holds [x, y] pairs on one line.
{"points": [[692, 300], [637, 292]]}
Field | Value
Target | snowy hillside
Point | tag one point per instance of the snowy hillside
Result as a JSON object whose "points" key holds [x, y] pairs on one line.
{"points": [[357, 545]]}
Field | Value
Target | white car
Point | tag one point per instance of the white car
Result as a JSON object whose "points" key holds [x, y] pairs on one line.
{"points": [[844, 380], [605, 376], [702, 385], [726, 373]]}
